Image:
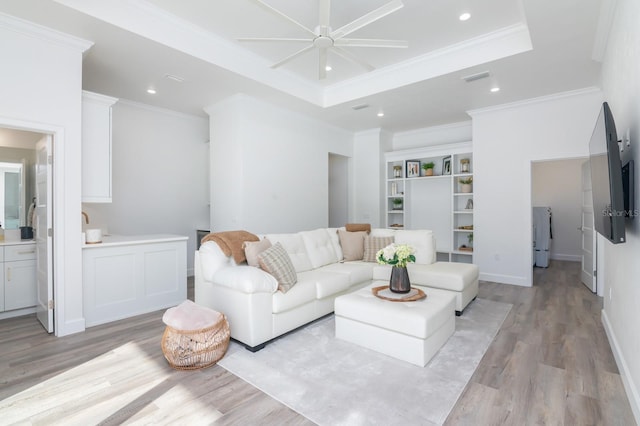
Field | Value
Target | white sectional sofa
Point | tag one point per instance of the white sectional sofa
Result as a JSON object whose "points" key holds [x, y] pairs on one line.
{"points": [[258, 312]]}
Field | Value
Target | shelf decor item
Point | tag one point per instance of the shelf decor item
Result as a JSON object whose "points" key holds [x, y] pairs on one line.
{"points": [[413, 168], [397, 172], [428, 168], [397, 204], [465, 165], [398, 256], [446, 165], [465, 184]]}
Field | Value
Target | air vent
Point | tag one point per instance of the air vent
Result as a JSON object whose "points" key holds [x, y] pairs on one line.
{"points": [[174, 78], [361, 106], [477, 76]]}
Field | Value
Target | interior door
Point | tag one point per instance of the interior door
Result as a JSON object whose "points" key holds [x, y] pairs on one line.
{"points": [[42, 223], [587, 275]]}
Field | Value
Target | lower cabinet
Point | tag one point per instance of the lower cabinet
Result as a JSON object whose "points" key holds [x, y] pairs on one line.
{"points": [[124, 280], [19, 277]]}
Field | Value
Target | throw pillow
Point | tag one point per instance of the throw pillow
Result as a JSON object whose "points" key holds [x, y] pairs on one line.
{"points": [[373, 245], [352, 244], [253, 248], [355, 227], [276, 261]]}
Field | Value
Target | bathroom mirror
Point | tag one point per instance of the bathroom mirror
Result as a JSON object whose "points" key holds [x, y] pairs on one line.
{"points": [[17, 176]]}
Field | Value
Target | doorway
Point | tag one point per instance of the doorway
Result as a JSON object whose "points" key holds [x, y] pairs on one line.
{"points": [[21, 174], [338, 190], [560, 186]]}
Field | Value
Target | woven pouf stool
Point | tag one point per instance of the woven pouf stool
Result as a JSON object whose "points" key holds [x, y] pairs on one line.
{"points": [[195, 336]]}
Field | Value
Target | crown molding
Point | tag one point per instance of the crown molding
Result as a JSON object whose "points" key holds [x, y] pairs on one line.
{"points": [[533, 101], [30, 29], [161, 110]]}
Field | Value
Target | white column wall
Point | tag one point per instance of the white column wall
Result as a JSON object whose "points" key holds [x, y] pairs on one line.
{"points": [[269, 167], [40, 82], [621, 68], [506, 140]]}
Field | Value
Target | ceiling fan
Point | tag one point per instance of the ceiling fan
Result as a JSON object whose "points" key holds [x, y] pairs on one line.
{"points": [[324, 38]]}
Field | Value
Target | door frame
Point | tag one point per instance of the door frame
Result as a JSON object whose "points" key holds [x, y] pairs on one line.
{"points": [[57, 134]]}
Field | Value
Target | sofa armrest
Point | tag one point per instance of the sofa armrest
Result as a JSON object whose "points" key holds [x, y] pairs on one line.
{"points": [[245, 279]]}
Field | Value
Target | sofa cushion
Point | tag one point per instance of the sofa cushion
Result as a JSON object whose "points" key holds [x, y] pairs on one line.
{"points": [[358, 272], [352, 244], [423, 243], [382, 232], [372, 245], [303, 292], [253, 248], [327, 283], [335, 241], [246, 279], [295, 248], [276, 261], [212, 259], [319, 247], [445, 275]]}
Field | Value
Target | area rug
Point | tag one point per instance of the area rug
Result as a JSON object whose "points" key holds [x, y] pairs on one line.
{"points": [[333, 382]]}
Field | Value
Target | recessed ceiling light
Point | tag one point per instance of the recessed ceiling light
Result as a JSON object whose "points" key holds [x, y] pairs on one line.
{"points": [[465, 16], [151, 91], [381, 114], [328, 68], [495, 89]]}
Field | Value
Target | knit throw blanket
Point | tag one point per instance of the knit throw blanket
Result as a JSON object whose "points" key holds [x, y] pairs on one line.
{"points": [[231, 242]]}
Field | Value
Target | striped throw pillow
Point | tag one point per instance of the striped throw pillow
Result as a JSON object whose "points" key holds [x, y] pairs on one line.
{"points": [[277, 262], [373, 245]]}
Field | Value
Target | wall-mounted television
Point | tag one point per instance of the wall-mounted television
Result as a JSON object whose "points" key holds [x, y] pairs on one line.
{"points": [[611, 183]]}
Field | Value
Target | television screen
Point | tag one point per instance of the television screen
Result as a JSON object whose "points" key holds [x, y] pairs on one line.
{"points": [[606, 178]]}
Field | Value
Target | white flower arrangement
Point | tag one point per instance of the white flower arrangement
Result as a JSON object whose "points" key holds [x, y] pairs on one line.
{"points": [[396, 255]]}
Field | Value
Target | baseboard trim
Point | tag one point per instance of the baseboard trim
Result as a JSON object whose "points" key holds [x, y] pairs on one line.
{"points": [[629, 386], [505, 279]]}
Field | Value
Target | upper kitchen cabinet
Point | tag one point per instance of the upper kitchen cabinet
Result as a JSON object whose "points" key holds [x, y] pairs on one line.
{"points": [[96, 147]]}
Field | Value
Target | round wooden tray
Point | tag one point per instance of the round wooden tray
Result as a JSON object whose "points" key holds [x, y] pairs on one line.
{"points": [[419, 296]]}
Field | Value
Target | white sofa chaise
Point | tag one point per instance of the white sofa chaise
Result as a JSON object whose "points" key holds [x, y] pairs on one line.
{"points": [[258, 312]]}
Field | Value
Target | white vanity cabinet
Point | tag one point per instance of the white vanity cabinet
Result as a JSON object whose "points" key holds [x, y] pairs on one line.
{"points": [[131, 275], [19, 277], [96, 147]]}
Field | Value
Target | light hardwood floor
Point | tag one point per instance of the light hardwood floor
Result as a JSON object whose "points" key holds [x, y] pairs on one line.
{"points": [[550, 364]]}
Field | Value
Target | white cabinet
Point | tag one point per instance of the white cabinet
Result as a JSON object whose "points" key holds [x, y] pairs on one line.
{"points": [[96, 147], [418, 199], [127, 276], [19, 276]]}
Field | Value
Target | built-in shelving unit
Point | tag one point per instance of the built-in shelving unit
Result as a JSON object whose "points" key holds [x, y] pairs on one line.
{"points": [[442, 202]]}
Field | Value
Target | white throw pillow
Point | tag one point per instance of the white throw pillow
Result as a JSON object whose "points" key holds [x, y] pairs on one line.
{"points": [[253, 248]]}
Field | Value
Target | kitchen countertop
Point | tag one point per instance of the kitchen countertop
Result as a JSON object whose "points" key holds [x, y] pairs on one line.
{"points": [[127, 240]]}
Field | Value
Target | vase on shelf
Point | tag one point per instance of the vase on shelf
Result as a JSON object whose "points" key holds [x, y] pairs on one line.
{"points": [[399, 281], [465, 188]]}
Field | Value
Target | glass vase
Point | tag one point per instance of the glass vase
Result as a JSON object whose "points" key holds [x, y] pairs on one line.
{"points": [[399, 282]]}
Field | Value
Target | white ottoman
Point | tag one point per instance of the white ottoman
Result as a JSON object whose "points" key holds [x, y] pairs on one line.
{"points": [[410, 331]]}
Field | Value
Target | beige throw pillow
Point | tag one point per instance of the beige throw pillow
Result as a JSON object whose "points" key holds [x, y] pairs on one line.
{"points": [[253, 248], [372, 245], [276, 261], [352, 244]]}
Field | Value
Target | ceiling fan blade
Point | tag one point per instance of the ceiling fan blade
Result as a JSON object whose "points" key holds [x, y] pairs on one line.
{"points": [[282, 15], [305, 40], [322, 63], [325, 11], [370, 42], [367, 19], [293, 56], [353, 58]]}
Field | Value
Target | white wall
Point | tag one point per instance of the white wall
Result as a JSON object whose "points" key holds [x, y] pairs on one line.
{"points": [[369, 147], [160, 174], [506, 140], [269, 167], [40, 82], [621, 68], [338, 190], [558, 184], [436, 135]]}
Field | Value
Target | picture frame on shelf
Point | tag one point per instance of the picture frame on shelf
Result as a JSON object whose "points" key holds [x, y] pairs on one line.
{"points": [[446, 165], [413, 168]]}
